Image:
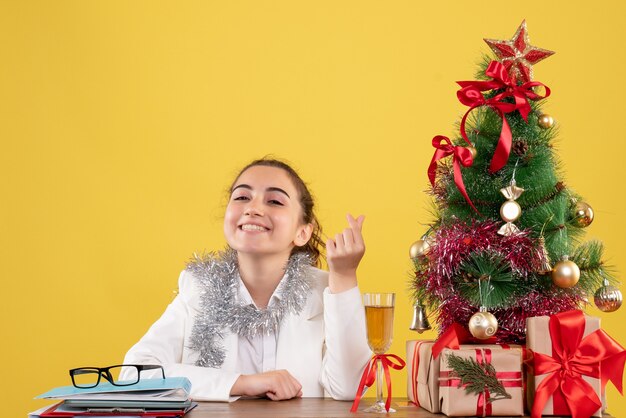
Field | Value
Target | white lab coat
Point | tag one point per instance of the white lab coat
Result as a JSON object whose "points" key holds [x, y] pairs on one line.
{"points": [[324, 347]]}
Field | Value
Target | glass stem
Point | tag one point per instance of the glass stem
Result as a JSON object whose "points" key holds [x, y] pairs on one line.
{"points": [[379, 382]]}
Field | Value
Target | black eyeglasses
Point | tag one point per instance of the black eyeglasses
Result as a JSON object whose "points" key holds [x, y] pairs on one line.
{"points": [[89, 377]]}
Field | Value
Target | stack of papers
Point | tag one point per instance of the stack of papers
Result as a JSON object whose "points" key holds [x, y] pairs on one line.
{"points": [[149, 398]]}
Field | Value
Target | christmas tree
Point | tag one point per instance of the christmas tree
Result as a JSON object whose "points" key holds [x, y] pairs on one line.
{"points": [[506, 242]]}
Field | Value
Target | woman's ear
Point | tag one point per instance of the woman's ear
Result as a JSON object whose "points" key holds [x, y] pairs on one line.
{"points": [[303, 235]]}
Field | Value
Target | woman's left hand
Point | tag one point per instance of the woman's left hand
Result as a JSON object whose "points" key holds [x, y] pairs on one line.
{"points": [[344, 254]]}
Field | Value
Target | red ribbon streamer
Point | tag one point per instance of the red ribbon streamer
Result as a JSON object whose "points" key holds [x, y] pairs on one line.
{"points": [[471, 94], [460, 156], [369, 376], [597, 355]]}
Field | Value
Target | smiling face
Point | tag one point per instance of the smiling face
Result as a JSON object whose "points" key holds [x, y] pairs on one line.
{"points": [[264, 215]]}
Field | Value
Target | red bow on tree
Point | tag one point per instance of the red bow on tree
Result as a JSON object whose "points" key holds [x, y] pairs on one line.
{"points": [[471, 94], [597, 355], [460, 156]]}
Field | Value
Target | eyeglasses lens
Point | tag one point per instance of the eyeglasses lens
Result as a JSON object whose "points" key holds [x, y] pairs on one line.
{"points": [[86, 378], [131, 375]]}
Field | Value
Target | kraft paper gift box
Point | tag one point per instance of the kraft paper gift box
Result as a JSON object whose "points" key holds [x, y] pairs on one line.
{"points": [[539, 340], [423, 373], [508, 363]]}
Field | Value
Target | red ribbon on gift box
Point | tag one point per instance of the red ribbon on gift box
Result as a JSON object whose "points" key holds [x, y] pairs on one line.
{"points": [[471, 94], [461, 156], [456, 335], [453, 337], [597, 355], [369, 376], [415, 371], [507, 379]]}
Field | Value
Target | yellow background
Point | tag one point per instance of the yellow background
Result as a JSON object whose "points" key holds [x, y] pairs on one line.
{"points": [[122, 123]]}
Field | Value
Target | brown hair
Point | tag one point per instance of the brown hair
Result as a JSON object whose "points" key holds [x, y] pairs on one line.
{"points": [[315, 245]]}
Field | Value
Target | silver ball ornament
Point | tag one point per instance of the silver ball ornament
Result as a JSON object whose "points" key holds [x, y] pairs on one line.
{"points": [[608, 298]]}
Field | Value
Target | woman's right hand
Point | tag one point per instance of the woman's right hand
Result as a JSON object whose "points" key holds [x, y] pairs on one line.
{"points": [[277, 385], [344, 254]]}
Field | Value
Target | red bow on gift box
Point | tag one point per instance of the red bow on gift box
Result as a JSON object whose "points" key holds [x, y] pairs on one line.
{"points": [[597, 355], [471, 94]]}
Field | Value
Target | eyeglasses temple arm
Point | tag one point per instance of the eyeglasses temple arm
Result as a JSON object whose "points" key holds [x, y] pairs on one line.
{"points": [[153, 366]]}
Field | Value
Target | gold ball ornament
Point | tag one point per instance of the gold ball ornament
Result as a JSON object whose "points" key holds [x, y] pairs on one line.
{"points": [[419, 248], [510, 211], [583, 214], [545, 121], [608, 298], [483, 325], [473, 152], [565, 273]]}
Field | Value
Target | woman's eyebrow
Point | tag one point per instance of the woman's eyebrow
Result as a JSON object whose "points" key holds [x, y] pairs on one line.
{"points": [[278, 189], [269, 189], [241, 186]]}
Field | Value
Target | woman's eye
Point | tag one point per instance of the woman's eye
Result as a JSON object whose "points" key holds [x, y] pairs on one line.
{"points": [[241, 198], [276, 202]]}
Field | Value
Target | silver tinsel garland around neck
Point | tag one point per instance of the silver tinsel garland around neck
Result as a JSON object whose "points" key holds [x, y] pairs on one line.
{"points": [[218, 276]]}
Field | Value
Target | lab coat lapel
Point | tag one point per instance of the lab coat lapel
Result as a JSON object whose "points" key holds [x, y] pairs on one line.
{"points": [[230, 342], [295, 331]]}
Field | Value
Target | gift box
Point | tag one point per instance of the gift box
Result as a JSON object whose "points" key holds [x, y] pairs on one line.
{"points": [[423, 369], [569, 355], [507, 363], [423, 373]]}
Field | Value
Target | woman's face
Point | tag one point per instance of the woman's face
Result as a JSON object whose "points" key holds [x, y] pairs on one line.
{"points": [[264, 215]]}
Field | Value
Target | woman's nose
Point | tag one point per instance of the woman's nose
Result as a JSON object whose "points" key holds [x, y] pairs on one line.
{"points": [[254, 208]]}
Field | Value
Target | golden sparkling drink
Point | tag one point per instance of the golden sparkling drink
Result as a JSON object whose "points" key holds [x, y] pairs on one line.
{"points": [[379, 321]]}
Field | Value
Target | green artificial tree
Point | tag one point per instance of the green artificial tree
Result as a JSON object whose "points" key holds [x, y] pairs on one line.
{"points": [[506, 241]]}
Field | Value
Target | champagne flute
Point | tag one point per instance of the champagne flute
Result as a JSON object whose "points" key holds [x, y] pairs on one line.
{"points": [[379, 319]]}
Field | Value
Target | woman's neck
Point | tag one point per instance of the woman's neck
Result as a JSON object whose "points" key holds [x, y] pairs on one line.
{"points": [[261, 274]]}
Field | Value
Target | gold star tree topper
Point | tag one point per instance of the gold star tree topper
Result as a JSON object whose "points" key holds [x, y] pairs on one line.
{"points": [[518, 55]]}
